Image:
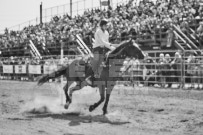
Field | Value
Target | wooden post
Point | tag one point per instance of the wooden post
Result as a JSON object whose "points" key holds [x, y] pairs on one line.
{"points": [[41, 13], [109, 4], [71, 8], [100, 5], [62, 54]]}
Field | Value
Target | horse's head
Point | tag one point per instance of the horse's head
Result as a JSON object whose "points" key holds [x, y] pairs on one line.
{"points": [[128, 49]]}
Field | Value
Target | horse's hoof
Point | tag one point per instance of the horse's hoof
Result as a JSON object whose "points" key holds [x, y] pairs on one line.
{"points": [[104, 111], [91, 108], [66, 106]]}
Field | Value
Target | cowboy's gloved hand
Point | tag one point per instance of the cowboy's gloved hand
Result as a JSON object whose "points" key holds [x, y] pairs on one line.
{"points": [[112, 48], [115, 45]]}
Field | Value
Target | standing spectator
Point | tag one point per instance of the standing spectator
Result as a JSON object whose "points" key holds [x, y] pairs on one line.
{"points": [[126, 64], [169, 73], [162, 71], [135, 67], [125, 69], [1, 65], [1, 62], [149, 65], [176, 65], [200, 71], [191, 69], [194, 71]]}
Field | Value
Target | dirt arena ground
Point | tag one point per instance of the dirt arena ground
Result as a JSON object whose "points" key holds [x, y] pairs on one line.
{"points": [[27, 109]]}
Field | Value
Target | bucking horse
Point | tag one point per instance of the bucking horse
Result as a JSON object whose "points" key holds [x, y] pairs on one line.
{"points": [[79, 69]]}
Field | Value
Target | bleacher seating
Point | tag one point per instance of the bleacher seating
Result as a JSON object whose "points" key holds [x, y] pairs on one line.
{"points": [[148, 23]]}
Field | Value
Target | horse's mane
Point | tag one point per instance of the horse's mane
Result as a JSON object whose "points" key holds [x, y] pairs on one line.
{"points": [[126, 47], [121, 47], [118, 50]]}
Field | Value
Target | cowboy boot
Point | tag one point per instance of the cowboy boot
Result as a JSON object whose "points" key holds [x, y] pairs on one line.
{"points": [[98, 72]]}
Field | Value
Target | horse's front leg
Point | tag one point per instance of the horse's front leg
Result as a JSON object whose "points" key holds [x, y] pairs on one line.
{"points": [[68, 87], [108, 93], [102, 98]]}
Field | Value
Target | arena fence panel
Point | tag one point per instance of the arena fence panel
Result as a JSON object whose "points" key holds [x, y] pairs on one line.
{"points": [[164, 69]]}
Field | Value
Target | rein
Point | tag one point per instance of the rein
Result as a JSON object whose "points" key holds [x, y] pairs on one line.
{"points": [[113, 55]]}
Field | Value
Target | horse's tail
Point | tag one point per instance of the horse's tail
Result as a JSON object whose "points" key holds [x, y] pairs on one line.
{"points": [[53, 75]]}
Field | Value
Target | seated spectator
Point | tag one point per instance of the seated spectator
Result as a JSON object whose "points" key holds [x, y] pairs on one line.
{"points": [[184, 26]]}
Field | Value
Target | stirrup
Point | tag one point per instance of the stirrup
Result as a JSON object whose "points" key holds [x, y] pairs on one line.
{"points": [[89, 82], [103, 64]]}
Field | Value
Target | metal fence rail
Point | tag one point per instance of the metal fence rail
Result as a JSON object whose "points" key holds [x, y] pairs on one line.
{"points": [[185, 73]]}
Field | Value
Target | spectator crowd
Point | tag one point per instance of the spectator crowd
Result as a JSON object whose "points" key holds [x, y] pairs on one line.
{"points": [[143, 20], [166, 70]]}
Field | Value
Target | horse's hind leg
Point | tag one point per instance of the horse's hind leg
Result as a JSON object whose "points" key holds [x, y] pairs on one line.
{"points": [[65, 88], [102, 98]]}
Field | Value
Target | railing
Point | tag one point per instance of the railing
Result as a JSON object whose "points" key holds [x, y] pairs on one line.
{"points": [[188, 40], [20, 26], [78, 7], [184, 73], [178, 36], [83, 46], [140, 38]]}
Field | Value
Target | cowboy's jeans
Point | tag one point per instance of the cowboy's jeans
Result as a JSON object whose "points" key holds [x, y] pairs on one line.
{"points": [[96, 62]]}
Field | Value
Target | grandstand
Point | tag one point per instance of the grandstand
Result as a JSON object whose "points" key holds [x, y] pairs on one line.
{"points": [[160, 25]]}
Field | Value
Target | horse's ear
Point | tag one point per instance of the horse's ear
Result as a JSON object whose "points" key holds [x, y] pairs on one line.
{"points": [[135, 44]]}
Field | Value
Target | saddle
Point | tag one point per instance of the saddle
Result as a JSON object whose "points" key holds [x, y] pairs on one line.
{"points": [[105, 52]]}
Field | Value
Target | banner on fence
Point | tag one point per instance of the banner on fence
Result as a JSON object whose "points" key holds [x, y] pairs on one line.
{"points": [[34, 69], [49, 69], [20, 69], [8, 69]]}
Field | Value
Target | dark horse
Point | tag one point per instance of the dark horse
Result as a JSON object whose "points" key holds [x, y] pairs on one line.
{"points": [[77, 72]]}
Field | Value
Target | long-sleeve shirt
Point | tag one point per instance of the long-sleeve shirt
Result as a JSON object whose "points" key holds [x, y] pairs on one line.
{"points": [[101, 39]]}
